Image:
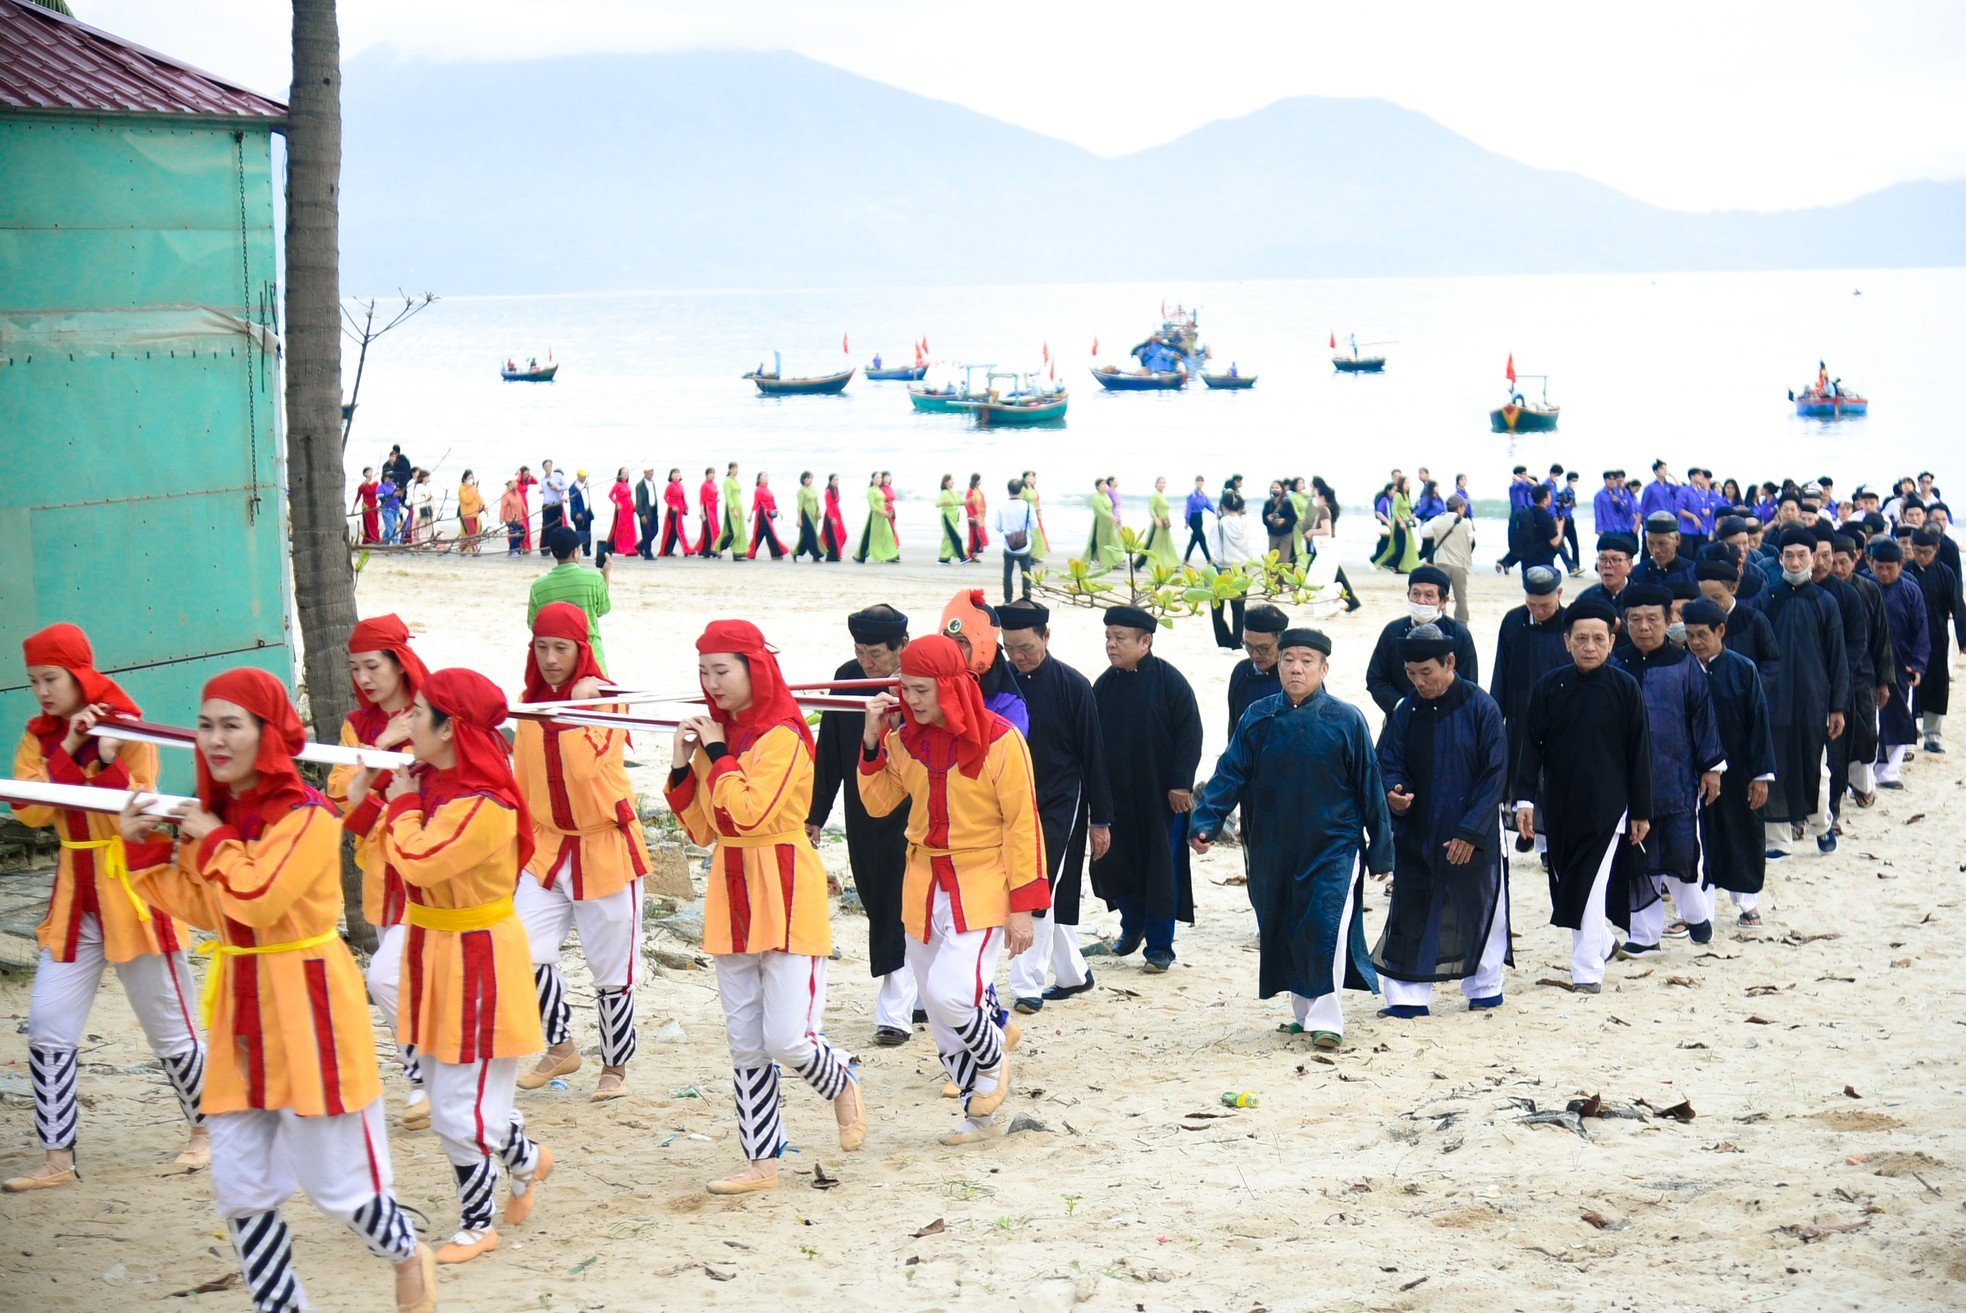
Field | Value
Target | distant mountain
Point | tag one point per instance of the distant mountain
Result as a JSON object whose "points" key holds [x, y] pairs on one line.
{"points": [[740, 169]]}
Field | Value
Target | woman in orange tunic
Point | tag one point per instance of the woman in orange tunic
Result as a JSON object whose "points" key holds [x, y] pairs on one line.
{"points": [[386, 674], [742, 780], [589, 855], [976, 868], [459, 833], [94, 918], [291, 1090]]}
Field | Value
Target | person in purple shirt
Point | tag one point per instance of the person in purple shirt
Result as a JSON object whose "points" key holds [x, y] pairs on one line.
{"points": [[1199, 504], [1520, 486], [1608, 512], [1694, 504], [1628, 500], [1662, 494]]}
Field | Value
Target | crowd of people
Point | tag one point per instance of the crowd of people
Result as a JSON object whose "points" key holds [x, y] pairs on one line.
{"points": [[1664, 737]]}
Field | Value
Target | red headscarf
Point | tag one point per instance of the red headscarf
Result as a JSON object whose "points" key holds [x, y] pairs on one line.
{"points": [[476, 708], [383, 633], [281, 735], [66, 646], [964, 717], [771, 701], [969, 614], [559, 620]]}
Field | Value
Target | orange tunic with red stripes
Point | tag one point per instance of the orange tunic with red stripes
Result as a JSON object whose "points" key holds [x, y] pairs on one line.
{"points": [[977, 839], [467, 992], [382, 887], [290, 1027], [767, 889], [83, 884], [585, 828]]}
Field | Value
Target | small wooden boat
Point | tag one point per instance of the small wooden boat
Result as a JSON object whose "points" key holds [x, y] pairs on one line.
{"points": [[772, 385], [530, 374], [1819, 403], [907, 374], [1230, 382], [1024, 405], [1113, 379], [1519, 416], [1358, 364], [940, 401]]}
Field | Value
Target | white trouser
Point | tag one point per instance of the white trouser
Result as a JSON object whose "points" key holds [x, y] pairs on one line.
{"points": [[1327, 1011], [894, 1005], [1893, 764], [1591, 943], [1746, 902], [260, 1155], [1863, 776], [158, 987], [1649, 923], [954, 971], [610, 927], [1486, 982], [1054, 948], [385, 977], [1782, 839], [471, 1107], [774, 1006], [1933, 723], [1693, 899]]}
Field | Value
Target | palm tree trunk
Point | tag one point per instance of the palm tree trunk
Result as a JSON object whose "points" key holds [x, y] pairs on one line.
{"points": [[324, 579]]}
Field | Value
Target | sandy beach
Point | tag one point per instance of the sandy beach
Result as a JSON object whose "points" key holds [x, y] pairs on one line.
{"points": [[1816, 1062]]}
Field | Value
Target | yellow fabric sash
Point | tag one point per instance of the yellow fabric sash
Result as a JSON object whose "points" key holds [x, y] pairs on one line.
{"points": [[759, 840], [213, 948], [458, 919], [115, 867]]}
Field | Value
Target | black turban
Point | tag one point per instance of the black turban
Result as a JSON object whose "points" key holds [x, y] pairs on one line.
{"points": [[1924, 538], [1023, 615], [886, 626], [1589, 608], [1797, 535], [1131, 617], [1315, 639], [1645, 595], [1617, 542], [1265, 619], [1703, 612], [1424, 643], [1662, 522], [1886, 549], [1720, 570], [1540, 581], [1730, 526], [1426, 574]]}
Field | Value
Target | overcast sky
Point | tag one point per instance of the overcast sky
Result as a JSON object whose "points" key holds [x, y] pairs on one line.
{"points": [[1710, 104]]}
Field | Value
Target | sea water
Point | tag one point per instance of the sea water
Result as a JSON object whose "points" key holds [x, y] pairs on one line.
{"points": [[1691, 368]]}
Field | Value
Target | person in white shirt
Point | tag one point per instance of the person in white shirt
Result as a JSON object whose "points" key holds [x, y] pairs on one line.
{"points": [[1452, 534], [1015, 523]]}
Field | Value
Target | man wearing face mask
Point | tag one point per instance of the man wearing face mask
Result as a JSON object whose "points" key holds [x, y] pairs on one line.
{"points": [[1426, 596], [1687, 762], [1806, 697]]}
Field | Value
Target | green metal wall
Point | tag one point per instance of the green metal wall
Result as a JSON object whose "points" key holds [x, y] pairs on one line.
{"points": [[140, 404]]}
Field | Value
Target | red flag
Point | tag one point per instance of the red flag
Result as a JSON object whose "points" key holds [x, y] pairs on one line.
{"points": [[1095, 346], [1053, 371], [924, 345], [1047, 350], [1334, 340], [844, 348], [1510, 371]]}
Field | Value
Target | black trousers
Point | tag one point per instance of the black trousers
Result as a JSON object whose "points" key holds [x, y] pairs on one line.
{"points": [[651, 526], [1569, 551], [1012, 563], [1228, 634], [549, 518], [1196, 538]]}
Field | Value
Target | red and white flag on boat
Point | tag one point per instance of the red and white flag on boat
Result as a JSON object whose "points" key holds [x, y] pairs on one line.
{"points": [[1095, 346], [1053, 371], [1334, 339], [1046, 350], [844, 348], [1510, 371]]}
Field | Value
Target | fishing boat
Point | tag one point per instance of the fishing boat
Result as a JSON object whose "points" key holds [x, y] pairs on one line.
{"points": [[533, 372], [1023, 405], [815, 385], [1519, 416], [1113, 379], [950, 397], [1230, 382], [1355, 363], [909, 374], [1827, 399]]}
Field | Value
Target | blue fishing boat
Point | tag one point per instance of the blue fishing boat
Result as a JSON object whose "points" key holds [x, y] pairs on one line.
{"points": [[1826, 398], [1114, 380], [773, 383], [950, 397], [1233, 381], [911, 374], [1025, 403], [1355, 363]]}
